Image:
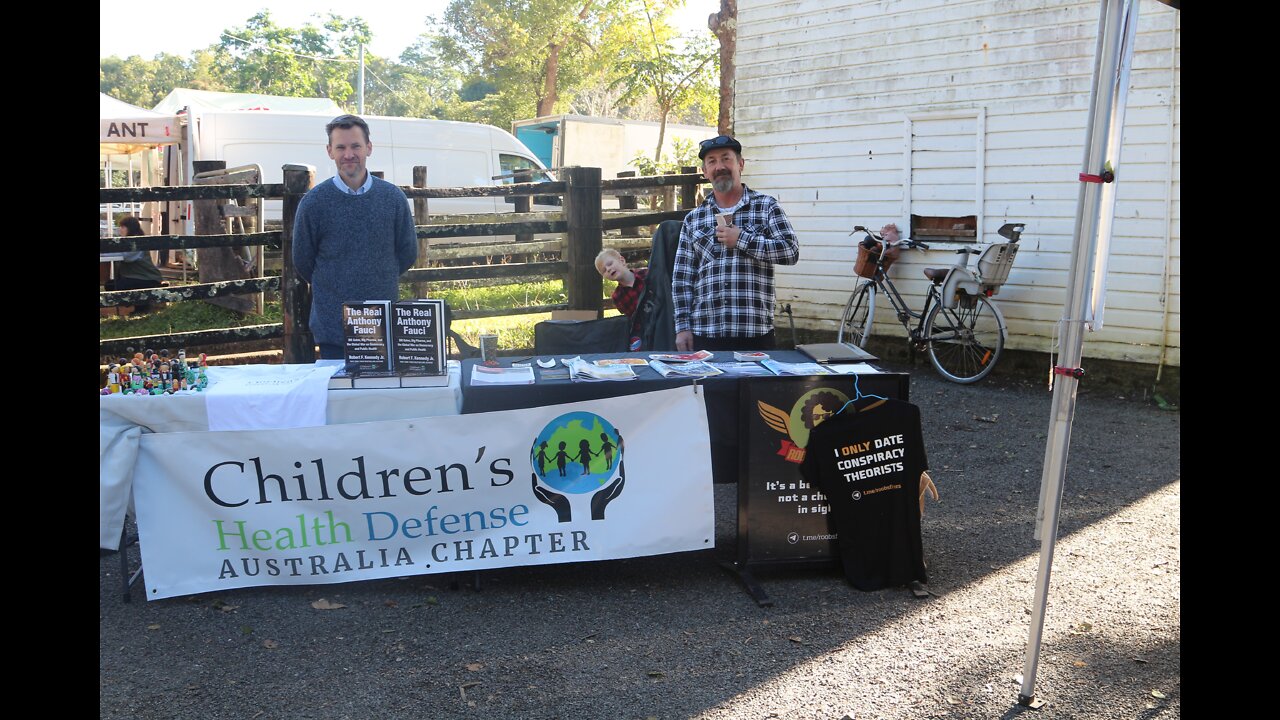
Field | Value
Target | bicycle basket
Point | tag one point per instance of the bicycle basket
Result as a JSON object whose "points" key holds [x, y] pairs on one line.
{"points": [[865, 265]]}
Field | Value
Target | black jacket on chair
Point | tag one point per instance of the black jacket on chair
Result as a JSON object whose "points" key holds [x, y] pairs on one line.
{"points": [[655, 312]]}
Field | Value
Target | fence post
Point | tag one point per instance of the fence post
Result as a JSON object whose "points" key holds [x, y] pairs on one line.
{"points": [[583, 286], [295, 295], [688, 193], [628, 202], [420, 218]]}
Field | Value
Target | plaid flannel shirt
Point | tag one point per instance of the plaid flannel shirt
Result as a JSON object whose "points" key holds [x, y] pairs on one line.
{"points": [[721, 292], [627, 298]]}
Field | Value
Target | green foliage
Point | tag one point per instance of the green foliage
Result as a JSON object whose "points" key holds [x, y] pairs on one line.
{"points": [[514, 331], [144, 82], [186, 316], [263, 57], [538, 54], [686, 155], [676, 75], [466, 296], [490, 61]]}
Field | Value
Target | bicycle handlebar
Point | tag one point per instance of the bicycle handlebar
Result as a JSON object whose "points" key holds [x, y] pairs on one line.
{"points": [[907, 243]]}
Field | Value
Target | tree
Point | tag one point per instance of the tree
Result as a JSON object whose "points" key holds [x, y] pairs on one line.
{"points": [[145, 82], [535, 52], [313, 61], [673, 76], [725, 25]]}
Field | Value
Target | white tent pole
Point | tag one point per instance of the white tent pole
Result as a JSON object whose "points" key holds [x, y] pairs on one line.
{"points": [[1116, 33]]}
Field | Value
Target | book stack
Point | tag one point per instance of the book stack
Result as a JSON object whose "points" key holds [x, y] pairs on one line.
{"points": [[417, 343], [392, 345]]}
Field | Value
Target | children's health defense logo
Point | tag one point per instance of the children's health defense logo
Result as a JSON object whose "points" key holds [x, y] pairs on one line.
{"points": [[811, 409], [575, 454]]}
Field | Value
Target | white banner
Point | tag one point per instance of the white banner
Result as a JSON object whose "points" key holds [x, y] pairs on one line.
{"points": [[613, 478]]}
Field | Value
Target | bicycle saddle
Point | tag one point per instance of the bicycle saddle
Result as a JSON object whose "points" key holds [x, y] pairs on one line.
{"points": [[937, 275]]}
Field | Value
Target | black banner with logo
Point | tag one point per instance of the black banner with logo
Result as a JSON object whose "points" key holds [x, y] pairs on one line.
{"points": [[782, 520]]}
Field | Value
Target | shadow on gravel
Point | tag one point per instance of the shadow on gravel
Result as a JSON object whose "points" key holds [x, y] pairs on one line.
{"points": [[664, 637]]}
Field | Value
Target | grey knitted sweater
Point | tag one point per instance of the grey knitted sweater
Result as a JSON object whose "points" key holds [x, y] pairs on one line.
{"points": [[351, 248]]}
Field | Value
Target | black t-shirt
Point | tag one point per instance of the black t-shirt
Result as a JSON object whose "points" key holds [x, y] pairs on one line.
{"points": [[867, 461]]}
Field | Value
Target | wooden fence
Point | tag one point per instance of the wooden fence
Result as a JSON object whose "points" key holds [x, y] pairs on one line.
{"points": [[582, 221]]}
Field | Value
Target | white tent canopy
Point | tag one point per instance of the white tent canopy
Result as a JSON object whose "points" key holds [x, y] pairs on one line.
{"points": [[207, 100], [126, 129]]}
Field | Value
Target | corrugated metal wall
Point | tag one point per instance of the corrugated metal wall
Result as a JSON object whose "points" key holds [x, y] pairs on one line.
{"points": [[860, 113]]}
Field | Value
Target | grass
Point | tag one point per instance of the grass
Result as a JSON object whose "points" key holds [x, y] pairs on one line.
{"points": [[188, 316], [513, 331]]}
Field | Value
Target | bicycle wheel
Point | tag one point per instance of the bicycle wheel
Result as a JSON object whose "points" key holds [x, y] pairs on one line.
{"points": [[859, 312], [965, 342]]}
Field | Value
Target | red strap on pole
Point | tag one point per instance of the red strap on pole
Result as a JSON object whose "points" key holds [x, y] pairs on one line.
{"points": [[1076, 373], [1105, 177]]}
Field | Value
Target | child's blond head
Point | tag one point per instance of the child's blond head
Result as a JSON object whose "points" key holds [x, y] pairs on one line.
{"points": [[604, 255]]}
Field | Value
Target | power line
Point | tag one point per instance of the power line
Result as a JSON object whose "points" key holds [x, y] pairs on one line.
{"points": [[259, 45]]}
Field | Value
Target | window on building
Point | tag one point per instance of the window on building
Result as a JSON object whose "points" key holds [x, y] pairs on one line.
{"points": [[945, 175]]}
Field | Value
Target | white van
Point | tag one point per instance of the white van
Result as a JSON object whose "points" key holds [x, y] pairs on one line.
{"points": [[456, 154]]}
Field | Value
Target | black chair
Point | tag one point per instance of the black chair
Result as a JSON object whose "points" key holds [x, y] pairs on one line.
{"points": [[574, 337], [655, 313]]}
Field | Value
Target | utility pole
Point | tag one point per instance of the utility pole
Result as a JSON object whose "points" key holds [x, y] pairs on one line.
{"points": [[360, 91]]}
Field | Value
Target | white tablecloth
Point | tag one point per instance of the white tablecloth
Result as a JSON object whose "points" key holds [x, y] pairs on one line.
{"points": [[123, 418]]}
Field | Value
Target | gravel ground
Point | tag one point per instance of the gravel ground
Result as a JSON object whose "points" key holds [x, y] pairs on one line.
{"points": [[677, 637]]}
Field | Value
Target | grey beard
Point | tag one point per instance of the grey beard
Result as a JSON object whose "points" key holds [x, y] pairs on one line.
{"points": [[722, 184]]}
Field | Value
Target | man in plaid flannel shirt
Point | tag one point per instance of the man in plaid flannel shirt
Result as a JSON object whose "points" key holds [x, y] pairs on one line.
{"points": [[722, 281]]}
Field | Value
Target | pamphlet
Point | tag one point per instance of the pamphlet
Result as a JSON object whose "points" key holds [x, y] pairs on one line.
{"points": [[686, 369], [560, 373], [683, 357], [485, 375], [804, 368], [590, 372], [743, 369], [854, 369]]}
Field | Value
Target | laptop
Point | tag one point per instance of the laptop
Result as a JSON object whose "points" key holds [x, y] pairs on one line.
{"points": [[835, 352]]}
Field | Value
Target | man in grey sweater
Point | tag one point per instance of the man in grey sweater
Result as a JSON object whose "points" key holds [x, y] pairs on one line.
{"points": [[353, 235]]}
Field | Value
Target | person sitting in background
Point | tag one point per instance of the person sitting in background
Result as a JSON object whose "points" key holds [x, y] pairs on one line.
{"points": [[626, 297], [136, 271]]}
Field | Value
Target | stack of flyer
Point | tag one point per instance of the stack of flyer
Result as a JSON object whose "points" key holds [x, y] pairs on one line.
{"points": [[693, 368], [393, 345], [484, 375], [804, 368], [700, 355], [580, 369]]}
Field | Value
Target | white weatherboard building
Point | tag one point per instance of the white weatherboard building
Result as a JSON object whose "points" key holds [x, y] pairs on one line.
{"points": [[857, 112]]}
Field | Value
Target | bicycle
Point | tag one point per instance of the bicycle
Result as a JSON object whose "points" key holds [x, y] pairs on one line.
{"points": [[961, 329]]}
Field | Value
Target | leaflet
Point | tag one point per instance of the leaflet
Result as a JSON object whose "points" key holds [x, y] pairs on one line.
{"points": [[686, 369], [803, 368]]}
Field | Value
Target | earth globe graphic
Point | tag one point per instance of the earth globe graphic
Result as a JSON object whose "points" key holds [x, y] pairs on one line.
{"points": [[562, 443]]}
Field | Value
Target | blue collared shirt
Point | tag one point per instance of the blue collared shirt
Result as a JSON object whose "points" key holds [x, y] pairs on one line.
{"points": [[368, 183]]}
